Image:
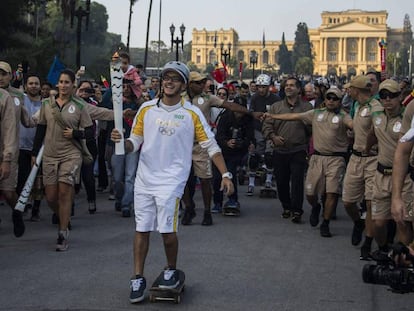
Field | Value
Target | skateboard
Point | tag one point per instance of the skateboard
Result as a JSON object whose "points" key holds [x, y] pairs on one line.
{"points": [[231, 209], [167, 294], [267, 192]]}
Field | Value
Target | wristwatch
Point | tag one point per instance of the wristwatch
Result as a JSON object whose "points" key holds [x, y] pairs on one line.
{"points": [[227, 175]]}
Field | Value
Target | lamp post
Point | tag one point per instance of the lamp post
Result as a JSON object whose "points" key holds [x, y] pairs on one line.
{"points": [[253, 61], [80, 13], [177, 41], [225, 53]]}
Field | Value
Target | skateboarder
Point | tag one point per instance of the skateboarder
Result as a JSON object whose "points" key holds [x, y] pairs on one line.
{"points": [[168, 125]]}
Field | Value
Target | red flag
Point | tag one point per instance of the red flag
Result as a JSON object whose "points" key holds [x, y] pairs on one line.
{"points": [[105, 82], [240, 69], [219, 75]]}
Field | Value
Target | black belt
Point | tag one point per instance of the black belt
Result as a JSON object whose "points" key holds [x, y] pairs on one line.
{"points": [[384, 170], [331, 154], [362, 155]]}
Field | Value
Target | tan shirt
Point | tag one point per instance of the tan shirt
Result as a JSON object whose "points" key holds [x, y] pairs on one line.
{"points": [[387, 130], [328, 129], [9, 142], [204, 102], [406, 124], [362, 122], [74, 116]]}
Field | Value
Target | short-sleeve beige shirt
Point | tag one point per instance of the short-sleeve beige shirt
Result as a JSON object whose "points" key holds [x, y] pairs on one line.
{"points": [[204, 102], [387, 130], [362, 122], [328, 129], [74, 115]]}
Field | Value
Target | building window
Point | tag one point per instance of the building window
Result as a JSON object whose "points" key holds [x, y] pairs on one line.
{"points": [[332, 49], [198, 59], [240, 56], [352, 48], [372, 50], [212, 57], [265, 57]]}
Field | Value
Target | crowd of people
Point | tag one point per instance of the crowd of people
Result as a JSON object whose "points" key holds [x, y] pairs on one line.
{"points": [[315, 139]]}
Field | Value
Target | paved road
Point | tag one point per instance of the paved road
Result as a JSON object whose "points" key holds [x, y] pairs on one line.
{"points": [[257, 261]]}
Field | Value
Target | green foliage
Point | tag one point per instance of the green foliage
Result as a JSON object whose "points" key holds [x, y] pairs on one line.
{"points": [[18, 40], [285, 58], [302, 46], [304, 66]]}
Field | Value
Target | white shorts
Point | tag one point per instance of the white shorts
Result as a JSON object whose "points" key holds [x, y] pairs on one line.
{"points": [[156, 212]]}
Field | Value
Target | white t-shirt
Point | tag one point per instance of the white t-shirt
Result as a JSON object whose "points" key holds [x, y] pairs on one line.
{"points": [[167, 134]]}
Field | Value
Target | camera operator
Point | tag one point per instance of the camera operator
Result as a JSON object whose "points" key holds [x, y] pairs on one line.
{"points": [[235, 135]]}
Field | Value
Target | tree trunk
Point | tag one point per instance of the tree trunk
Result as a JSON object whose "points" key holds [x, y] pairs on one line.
{"points": [[146, 41]]}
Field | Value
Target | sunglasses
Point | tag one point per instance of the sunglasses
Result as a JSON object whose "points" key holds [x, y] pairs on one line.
{"points": [[334, 98], [221, 94], [384, 95], [171, 78], [199, 82]]}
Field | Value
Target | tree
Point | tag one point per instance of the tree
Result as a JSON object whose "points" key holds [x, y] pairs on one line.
{"points": [[302, 46], [304, 66], [147, 36], [131, 4], [285, 59]]}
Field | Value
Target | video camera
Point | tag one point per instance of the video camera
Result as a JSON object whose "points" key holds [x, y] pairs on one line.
{"points": [[386, 271], [236, 135]]}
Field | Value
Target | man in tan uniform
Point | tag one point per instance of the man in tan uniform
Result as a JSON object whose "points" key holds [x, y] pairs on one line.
{"points": [[402, 165], [359, 176], [327, 164], [20, 115], [386, 131], [201, 162]]}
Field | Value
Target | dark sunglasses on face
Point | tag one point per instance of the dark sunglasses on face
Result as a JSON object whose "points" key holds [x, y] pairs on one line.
{"points": [[199, 82], [221, 94], [384, 95], [334, 98]]}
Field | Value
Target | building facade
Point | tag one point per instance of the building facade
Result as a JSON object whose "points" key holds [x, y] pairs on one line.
{"points": [[346, 42]]}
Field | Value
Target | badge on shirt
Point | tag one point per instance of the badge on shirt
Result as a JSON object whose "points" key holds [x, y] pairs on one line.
{"points": [[200, 100], [71, 109], [364, 112], [397, 127], [320, 117], [377, 121], [335, 119], [16, 101]]}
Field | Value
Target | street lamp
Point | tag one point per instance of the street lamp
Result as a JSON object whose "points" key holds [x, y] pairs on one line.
{"points": [[225, 53], [253, 61], [177, 41], [80, 13]]}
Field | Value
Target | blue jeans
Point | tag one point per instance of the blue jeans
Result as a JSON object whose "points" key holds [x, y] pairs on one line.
{"points": [[124, 168]]}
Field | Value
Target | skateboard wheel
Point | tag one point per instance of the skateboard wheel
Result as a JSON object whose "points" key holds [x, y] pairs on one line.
{"points": [[177, 299], [152, 298]]}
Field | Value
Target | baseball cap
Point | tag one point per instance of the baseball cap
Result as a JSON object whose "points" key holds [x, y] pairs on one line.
{"points": [[196, 76], [5, 67], [361, 82], [335, 91], [390, 85]]}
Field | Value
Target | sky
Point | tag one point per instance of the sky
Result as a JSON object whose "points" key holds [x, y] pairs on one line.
{"points": [[249, 18]]}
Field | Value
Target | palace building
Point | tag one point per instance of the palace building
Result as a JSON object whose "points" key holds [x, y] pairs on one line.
{"points": [[346, 42]]}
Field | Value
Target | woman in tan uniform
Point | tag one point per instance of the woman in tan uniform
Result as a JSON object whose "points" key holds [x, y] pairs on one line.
{"points": [[63, 122]]}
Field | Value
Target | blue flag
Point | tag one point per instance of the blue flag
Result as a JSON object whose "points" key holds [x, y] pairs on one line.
{"points": [[54, 71]]}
